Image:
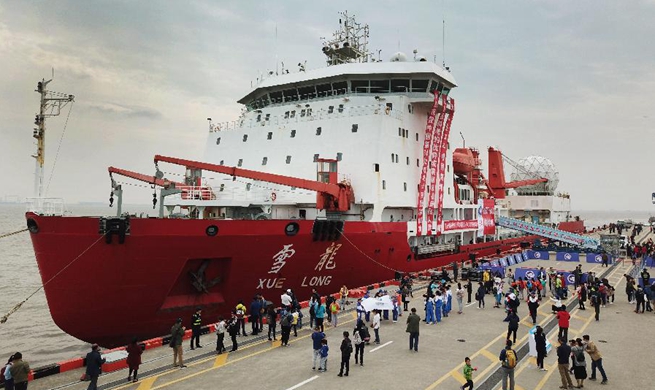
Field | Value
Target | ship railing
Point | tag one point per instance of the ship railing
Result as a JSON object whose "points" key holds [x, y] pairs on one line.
{"points": [[319, 114], [46, 206], [422, 250], [195, 193]]}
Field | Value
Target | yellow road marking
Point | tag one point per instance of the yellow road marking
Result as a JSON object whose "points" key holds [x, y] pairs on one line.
{"points": [[459, 377], [147, 383], [489, 355], [220, 359]]}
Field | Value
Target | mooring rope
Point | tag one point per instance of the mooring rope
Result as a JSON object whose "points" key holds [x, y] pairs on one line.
{"points": [[18, 306], [12, 233]]}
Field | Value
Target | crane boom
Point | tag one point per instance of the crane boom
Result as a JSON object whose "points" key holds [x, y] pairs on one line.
{"points": [[144, 178], [330, 195]]}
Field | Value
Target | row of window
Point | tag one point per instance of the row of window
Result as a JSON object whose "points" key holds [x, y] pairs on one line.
{"points": [[269, 136], [384, 186]]}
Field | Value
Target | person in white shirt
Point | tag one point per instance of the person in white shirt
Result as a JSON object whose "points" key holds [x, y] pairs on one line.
{"points": [[376, 326], [286, 299], [221, 326]]}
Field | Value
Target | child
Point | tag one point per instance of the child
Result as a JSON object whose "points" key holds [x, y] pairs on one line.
{"points": [[324, 355], [468, 374], [334, 310]]}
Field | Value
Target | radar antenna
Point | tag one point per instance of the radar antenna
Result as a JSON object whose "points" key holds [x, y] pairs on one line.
{"points": [[51, 105], [349, 43]]}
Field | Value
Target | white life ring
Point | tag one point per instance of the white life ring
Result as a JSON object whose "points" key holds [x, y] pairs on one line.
{"points": [[273, 196]]}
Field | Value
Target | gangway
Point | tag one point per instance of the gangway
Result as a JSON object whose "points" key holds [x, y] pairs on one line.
{"points": [[548, 232]]}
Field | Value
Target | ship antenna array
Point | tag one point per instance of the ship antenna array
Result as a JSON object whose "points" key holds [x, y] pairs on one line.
{"points": [[51, 104], [349, 43]]}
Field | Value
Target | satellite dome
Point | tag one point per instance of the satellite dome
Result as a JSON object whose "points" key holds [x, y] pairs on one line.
{"points": [[398, 57], [535, 167]]}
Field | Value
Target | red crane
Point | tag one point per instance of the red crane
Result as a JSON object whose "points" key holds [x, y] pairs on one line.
{"points": [[497, 176], [330, 195]]}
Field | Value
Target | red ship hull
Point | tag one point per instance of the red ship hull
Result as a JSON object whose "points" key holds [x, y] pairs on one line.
{"points": [[115, 291]]}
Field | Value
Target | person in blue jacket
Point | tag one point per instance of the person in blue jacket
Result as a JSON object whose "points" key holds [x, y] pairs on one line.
{"points": [[429, 311], [439, 306]]}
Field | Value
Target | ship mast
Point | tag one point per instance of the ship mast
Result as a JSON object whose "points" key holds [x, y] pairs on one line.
{"points": [[51, 105]]}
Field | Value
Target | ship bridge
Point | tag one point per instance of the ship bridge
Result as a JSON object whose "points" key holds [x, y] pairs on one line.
{"points": [[416, 79]]}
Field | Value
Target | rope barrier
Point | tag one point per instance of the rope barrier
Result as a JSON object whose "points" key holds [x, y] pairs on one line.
{"points": [[18, 306], [12, 233]]}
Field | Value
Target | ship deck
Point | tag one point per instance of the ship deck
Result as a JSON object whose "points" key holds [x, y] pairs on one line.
{"points": [[391, 365]]}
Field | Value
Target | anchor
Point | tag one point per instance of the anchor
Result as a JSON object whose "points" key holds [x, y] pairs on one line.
{"points": [[198, 278]]}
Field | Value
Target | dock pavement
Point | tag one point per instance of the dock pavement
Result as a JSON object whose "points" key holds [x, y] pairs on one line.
{"points": [[621, 335]]}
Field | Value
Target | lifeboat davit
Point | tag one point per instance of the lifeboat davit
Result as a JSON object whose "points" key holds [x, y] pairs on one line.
{"points": [[463, 161]]}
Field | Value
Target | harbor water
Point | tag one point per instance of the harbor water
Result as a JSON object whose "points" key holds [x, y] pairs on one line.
{"points": [[32, 331]]}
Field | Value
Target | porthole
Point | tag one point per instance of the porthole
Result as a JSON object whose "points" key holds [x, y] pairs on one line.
{"points": [[292, 229], [211, 230]]}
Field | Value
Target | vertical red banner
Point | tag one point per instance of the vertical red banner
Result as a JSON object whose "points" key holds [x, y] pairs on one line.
{"points": [[442, 161], [427, 143]]}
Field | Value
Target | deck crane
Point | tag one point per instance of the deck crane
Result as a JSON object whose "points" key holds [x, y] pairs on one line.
{"points": [[331, 195]]}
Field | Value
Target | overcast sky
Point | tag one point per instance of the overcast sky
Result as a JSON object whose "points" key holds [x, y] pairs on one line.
{"points": [[573, 81]]}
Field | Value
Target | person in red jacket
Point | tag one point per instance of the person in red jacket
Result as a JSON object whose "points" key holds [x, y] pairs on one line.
{"points": [[563, 318], [134, 352]]}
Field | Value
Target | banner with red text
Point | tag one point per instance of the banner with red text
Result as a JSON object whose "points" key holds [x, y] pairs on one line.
{"points": [[467, 224], [486, 220]]}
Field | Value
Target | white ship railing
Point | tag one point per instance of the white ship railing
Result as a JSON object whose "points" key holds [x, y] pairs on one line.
{"points": [[46, 206], [318, 114]]}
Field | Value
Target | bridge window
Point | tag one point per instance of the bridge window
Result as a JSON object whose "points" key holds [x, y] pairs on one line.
{"points": [[380, 86], [359, 86], [355, 127], [270, 135], [240, 162], [408, 160], [318, 131], [399, 85], [264, 160], [419, 86], [376, 167], [416, 137], [245, 137], [393, 159], [405, 186], [288, 159], [218, 141], [307, 92], [276, 97], [324, 90], [400, 132], [293, 134], [290, 95], [340, 88]]}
